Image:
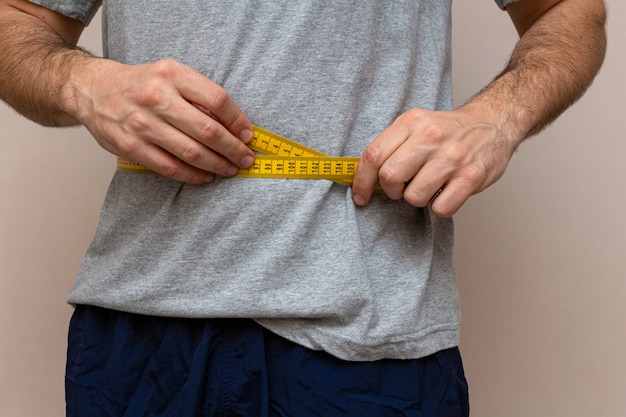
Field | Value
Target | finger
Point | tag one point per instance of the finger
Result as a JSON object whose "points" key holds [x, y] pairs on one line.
{"points": [[151, 128], [168, 165], [209, 133], [203, 92], [421, 189], [366, 175], [459, 188], [450, 198], [196, 154], [400, 168]]}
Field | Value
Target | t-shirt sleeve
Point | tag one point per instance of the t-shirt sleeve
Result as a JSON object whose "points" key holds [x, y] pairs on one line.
{"points": [[504, 3], [83, 10]]}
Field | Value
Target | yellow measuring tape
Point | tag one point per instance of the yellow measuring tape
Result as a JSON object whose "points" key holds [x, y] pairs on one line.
{"points": [[283, 158]]}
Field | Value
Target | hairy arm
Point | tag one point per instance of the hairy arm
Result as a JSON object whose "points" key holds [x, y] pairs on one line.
{"points": [[163, 115], [38, 50], [561, 47], [464, 151]]}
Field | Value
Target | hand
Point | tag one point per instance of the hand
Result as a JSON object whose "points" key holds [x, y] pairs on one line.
{"points": [[165, 116], [424, 154]]}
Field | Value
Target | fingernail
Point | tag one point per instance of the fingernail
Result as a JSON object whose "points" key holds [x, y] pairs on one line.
{"points": [[208, 178], [246, 135], [247, 161], [358, 200], [232, 170]]}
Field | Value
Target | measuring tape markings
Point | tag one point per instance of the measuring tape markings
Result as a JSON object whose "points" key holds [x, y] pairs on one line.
{"points": [[284, 159], [301, 167], [270, 143]]}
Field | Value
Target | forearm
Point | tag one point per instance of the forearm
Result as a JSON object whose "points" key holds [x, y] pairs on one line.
{"points": [[552, 65], [35, 68]]}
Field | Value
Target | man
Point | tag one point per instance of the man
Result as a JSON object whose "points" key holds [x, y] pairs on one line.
{"points": [[207, 295]]}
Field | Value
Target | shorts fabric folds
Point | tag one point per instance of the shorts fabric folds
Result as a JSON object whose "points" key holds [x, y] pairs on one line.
{"points": [[130, 365]]}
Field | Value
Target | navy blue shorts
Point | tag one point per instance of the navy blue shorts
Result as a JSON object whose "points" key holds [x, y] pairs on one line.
{"points": [[130, 365]]}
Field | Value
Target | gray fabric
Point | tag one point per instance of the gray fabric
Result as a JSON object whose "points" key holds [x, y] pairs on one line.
{"points": [[297, 256], [81, 10], [503, 3]]}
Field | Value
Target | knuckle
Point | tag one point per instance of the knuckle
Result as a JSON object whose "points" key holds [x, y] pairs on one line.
{"points": [[209, 129], [129, 147], [153, 95], [192, 153], [154, 91], [170, 170], [434, 133], [388, 176], [473, 174], [412, 115], [219, 97], [371, 154], [165, 67], [184, 174]]}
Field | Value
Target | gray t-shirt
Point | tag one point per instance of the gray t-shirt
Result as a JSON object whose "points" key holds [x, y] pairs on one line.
{"points": [[296, 255]]}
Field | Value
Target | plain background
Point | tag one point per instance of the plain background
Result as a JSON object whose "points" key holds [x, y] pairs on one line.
{"points": [[541, 255]]}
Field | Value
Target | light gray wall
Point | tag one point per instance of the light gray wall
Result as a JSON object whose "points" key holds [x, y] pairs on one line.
{"points": [[540, 256]]}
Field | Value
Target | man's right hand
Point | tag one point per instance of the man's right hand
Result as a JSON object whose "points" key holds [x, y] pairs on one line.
{"points": [[163, 115]]}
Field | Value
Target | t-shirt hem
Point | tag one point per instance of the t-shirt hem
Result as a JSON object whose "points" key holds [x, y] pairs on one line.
{"points": [[408, 347], [84, 12]]}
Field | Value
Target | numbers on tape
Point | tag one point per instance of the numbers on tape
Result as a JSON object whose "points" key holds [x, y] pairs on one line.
{"points": [[269, 143], [301, 167], [283, 158]]}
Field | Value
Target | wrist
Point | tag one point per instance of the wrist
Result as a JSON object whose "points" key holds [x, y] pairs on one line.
{"points": [[73, 92], [514, 120]]}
